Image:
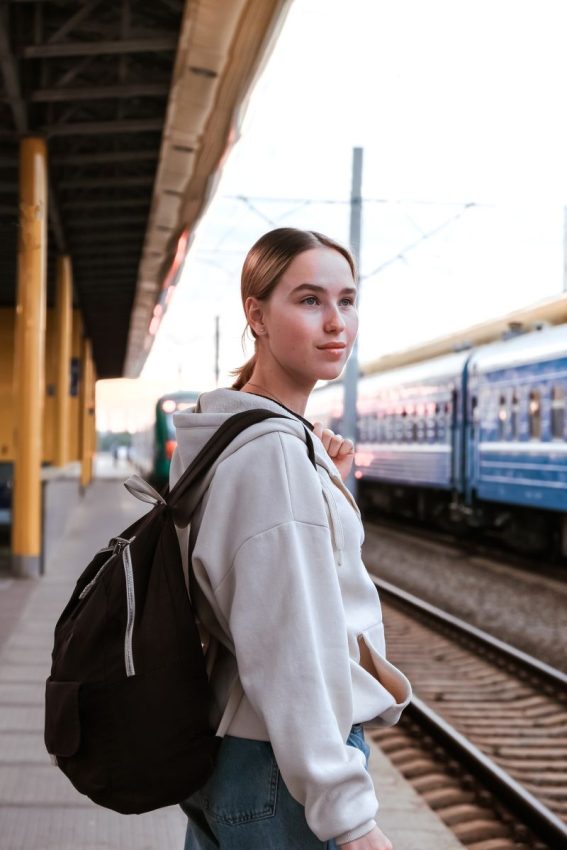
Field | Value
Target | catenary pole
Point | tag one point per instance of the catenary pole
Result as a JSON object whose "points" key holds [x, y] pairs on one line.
{"points": [[217, 342], [350, 380], [564, 249]]}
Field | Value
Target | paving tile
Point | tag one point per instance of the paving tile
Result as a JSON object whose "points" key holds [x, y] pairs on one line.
{"points": [[22, 748], [18, 673], [90, 828], [27, 655], [23, 639], [22, 693], [21, 718], [37, 784]]}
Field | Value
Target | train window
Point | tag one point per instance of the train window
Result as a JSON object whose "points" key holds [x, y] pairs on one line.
{"points": [[399, 429], [440, 423], [475, 415], [503, 418], [515, 417], [534, 414], [411, 432], [373, 428], [448, 421], [437, 423], [430, 423], [404, 426], [558, 413], [419, 430], [380, 435]]}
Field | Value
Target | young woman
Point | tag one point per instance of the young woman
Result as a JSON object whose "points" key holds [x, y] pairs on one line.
{"points": [[295, 649]]}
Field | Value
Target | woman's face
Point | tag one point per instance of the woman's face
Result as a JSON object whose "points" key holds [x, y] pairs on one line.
{"points": [[310, 321]]}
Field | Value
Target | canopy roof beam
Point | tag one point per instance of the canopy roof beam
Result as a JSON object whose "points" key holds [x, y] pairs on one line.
{"points": [[81, 93], [102, 158], [90, 128], [11, 76], [107, 182], [164, 43]]}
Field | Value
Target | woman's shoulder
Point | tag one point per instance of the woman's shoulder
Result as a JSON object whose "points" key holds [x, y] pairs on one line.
{"points": [[273, 471], [283, 448]]}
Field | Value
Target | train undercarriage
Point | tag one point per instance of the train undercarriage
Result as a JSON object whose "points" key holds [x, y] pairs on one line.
{"points": [[526, 531]]}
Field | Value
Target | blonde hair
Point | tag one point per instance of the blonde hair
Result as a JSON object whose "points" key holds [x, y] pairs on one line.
{"points": [[266, 262]]}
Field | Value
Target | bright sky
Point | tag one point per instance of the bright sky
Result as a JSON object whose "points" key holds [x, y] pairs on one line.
{"points": [[454, 102]]}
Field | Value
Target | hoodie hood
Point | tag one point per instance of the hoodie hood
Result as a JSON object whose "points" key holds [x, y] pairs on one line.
{"points": [[197, 425]]}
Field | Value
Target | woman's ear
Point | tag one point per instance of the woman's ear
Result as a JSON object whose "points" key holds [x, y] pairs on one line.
{"points": [[255, 315]]}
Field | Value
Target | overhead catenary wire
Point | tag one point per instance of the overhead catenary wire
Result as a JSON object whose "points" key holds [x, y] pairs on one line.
{"points": [[254, 199], [400, 255]]}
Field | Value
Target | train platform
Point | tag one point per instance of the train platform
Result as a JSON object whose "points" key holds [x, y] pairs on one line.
{"points": [[39, 809]]}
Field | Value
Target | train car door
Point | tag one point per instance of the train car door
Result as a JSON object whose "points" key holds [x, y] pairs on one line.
{"points": [[467, 430]]}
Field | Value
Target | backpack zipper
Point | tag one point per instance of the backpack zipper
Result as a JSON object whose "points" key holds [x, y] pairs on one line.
{"points": [[120, 545], [88, 587], [130, 606]]}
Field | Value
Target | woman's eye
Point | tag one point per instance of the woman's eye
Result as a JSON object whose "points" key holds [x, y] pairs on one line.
{"points": [[349, 301], [311, 299]]}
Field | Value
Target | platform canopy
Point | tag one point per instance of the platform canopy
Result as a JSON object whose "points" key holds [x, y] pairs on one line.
{"points": [[139, 101]]}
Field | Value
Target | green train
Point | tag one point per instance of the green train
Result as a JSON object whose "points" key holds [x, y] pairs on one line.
{"points": [[153, 449]]}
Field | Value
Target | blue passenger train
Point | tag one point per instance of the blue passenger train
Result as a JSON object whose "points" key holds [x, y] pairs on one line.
{"points": [[474, 439]]}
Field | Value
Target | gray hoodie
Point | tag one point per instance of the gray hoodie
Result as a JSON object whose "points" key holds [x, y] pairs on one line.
{"points": [[281, 590]]}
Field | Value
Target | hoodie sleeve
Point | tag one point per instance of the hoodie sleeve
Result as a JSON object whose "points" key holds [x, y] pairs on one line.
{"points": [[281, 599]]}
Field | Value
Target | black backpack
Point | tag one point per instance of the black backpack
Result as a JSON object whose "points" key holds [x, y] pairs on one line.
{"points": [[127, 702]]}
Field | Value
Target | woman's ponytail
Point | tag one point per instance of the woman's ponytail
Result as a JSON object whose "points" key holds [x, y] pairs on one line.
{"points": [[244, 373]]}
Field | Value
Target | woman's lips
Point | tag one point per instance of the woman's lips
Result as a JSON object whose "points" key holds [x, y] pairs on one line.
{"points": [[332, 350]]}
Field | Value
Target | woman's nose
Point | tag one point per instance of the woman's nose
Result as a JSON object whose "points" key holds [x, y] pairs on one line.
{"points": [[334, 320]]}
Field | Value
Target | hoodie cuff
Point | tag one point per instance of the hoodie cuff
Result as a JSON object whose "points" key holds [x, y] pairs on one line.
{"points": [[361, 830]]}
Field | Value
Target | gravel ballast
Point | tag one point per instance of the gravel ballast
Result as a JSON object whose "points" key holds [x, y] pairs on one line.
{"points": [[511, 604]]}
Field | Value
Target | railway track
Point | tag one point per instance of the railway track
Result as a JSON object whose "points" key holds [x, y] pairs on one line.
{"points": [[498, 715]]}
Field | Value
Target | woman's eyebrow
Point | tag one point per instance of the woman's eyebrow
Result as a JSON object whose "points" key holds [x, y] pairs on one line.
{"points": [[349, 290]]}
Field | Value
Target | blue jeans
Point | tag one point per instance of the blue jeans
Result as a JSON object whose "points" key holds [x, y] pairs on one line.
{"points": [[245, 805]]}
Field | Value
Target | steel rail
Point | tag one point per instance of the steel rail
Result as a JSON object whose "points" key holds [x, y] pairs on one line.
{"points": [[528, 662], [545, 824]]}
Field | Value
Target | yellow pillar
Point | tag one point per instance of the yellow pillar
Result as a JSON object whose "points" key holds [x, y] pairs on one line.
{"points": [[87, 406], [30, 357], [63, 311]]}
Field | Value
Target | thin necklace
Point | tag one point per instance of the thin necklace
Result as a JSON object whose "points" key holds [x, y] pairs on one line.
{"points": [[258, 387], [273, 398]]}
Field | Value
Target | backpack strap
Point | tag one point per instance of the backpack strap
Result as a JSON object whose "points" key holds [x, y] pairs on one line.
{"points": [[310, 447]]}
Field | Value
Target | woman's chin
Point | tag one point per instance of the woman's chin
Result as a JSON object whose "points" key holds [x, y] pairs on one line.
{"points": [[330, 372]]}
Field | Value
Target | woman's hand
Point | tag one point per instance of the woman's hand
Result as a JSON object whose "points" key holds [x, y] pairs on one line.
{"points": [[373, 840], [340, 451]]}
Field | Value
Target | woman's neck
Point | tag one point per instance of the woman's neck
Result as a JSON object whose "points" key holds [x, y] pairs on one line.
{"points": [[293, 398]]}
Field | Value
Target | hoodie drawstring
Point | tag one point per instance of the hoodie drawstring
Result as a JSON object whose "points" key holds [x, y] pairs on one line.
{"points": [[337, 536]]}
